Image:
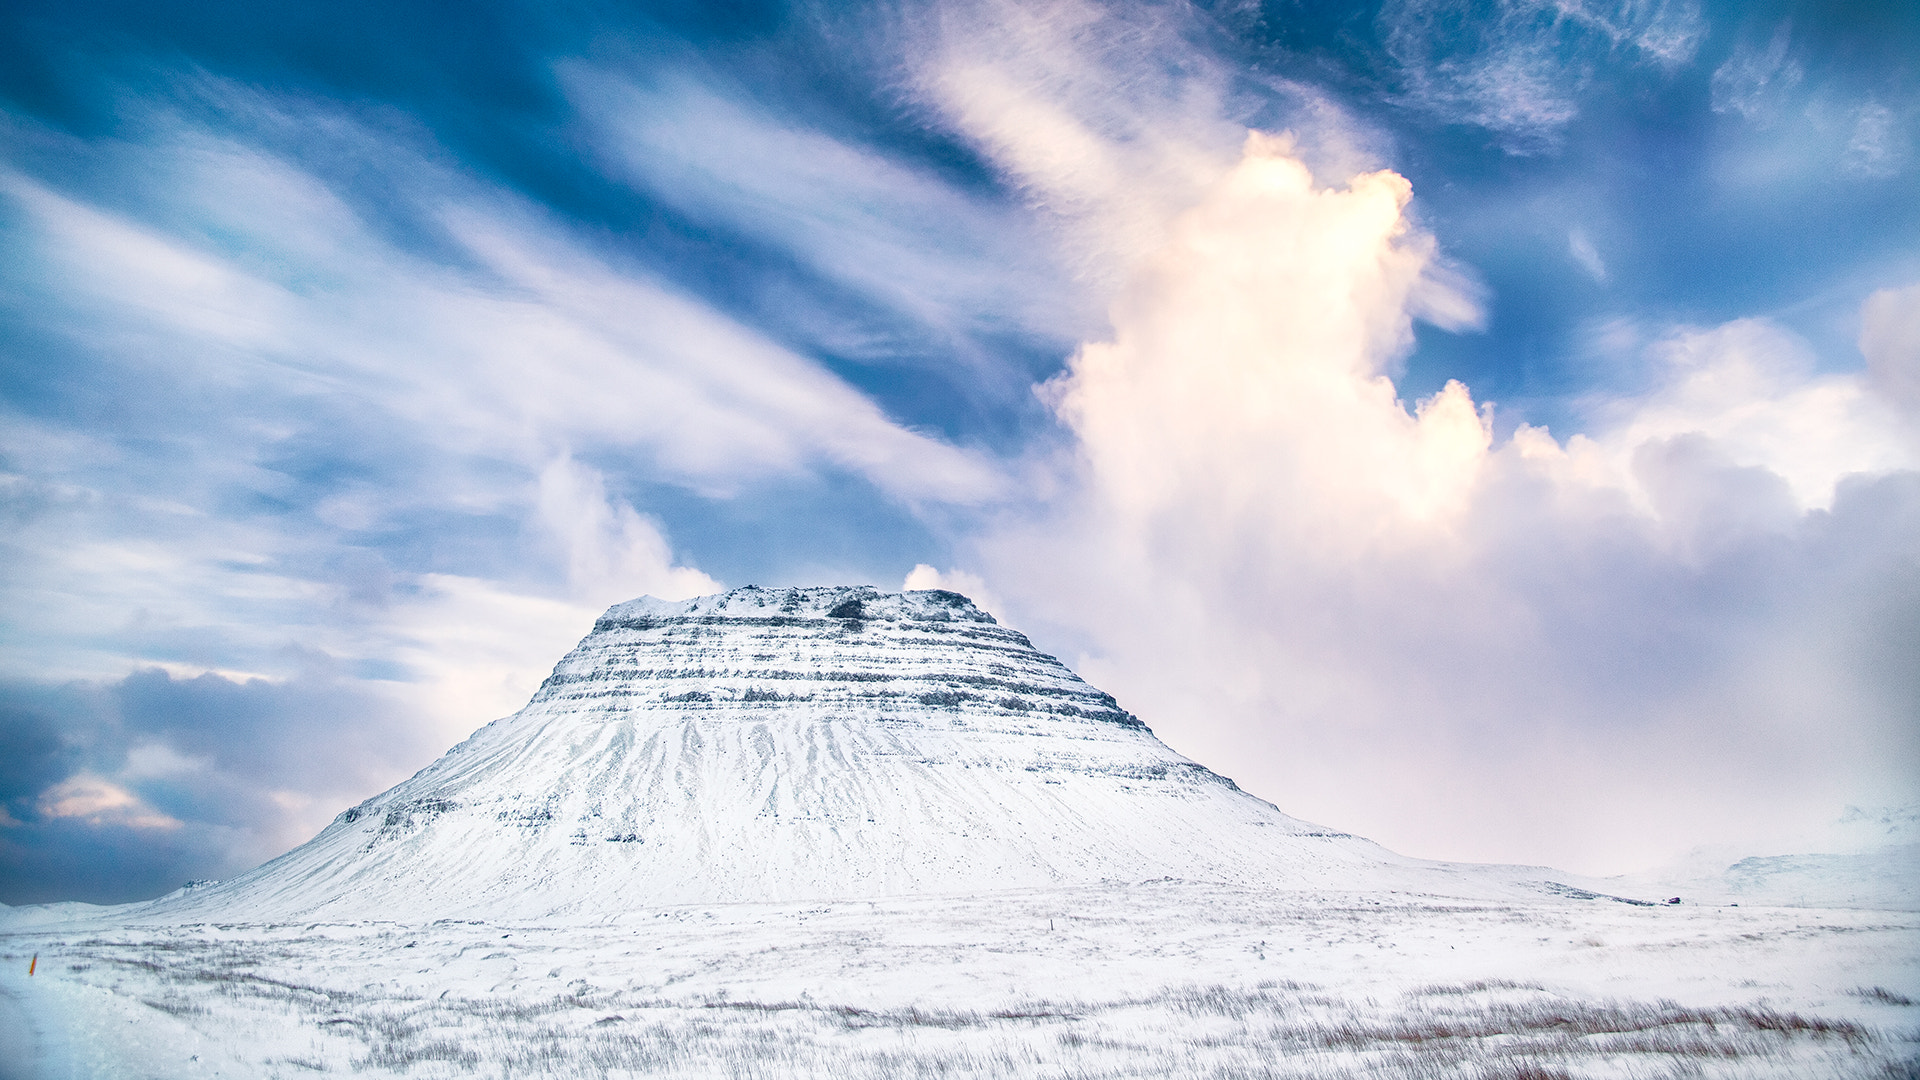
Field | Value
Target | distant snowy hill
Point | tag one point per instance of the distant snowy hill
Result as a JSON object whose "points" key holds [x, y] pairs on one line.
{"points": [[1885, 877], [764, 745]]}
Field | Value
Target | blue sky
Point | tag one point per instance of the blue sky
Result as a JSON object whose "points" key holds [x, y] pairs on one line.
{"points": [[1494, 429]]}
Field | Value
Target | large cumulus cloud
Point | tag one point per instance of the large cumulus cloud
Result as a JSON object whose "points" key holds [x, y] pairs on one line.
{"points": [[1680, 624]]}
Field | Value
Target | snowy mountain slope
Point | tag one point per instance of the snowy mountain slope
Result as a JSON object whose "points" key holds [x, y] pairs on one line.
{"points": [[799, 743]]}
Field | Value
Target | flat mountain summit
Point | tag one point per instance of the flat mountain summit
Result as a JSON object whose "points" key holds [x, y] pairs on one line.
{"points": [[789, 744]]}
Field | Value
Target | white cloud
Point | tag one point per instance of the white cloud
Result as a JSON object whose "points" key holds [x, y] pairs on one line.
{"points": [[100, 802], [472, 649], [607, 356], [1519, 69], [1595, 652], [1107, 118], [158, 761], [458, 382], [1755, 81], [1752, 388], [1874, 147], [972, 586], [959, 264], [1890, 340], [558, 347], [1223, 349], [613, 554], [1586, 255], [1796, 135]]}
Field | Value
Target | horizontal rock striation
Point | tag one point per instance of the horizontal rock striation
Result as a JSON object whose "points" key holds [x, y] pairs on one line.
{"points": [[844, 652], [790, 744]]}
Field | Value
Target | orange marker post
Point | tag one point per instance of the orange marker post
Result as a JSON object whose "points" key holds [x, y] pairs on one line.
{"points": [[34, 963]]}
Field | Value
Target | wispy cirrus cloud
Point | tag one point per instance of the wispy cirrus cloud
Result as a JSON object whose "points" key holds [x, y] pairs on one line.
{"points": [[1796, 119], [1105, 119], [1755, 80], [301, 392], [1519, 68], [959, 271]]}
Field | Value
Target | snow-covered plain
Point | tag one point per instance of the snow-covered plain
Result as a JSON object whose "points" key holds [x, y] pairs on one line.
{"points": [[1154, 979], [839, 833]]}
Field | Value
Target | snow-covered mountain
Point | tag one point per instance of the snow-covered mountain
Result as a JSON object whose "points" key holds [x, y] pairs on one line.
{"points": [[789, 744], [958, 859]]}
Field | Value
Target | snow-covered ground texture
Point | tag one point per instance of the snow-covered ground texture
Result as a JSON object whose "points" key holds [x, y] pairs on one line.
{"points": [[769, 745], [1144, 980]]}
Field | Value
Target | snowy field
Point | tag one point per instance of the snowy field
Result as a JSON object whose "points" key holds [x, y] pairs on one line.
{"points": [[1103, 981]]}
